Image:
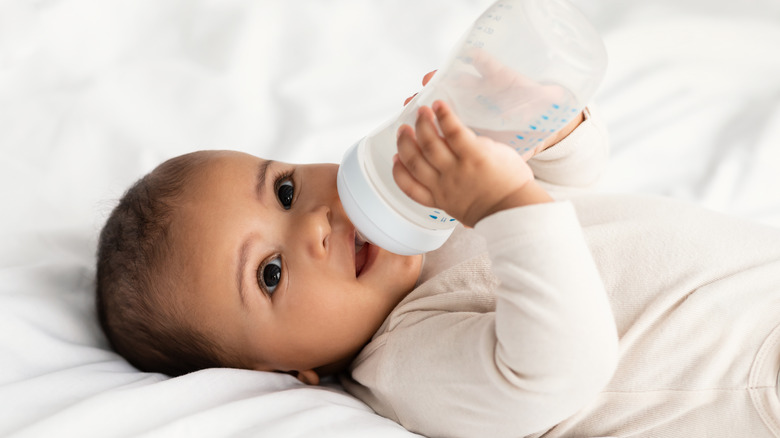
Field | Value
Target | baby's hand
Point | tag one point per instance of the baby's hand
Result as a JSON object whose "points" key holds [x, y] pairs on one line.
{"points": [[468, 176]]}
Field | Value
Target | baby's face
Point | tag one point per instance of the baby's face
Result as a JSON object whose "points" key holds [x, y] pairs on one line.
{"points": [[271, 264]]}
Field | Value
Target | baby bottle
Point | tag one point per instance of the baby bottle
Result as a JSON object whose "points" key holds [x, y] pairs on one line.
{"points": [[520, 73]]}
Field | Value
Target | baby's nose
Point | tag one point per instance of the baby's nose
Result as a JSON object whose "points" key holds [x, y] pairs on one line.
{"points": [[319, 228]]}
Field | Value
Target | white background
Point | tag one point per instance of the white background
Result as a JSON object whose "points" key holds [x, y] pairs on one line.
{"points": [[95, 93]]}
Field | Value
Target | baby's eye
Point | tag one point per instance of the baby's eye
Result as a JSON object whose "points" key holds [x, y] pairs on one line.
{"points": [[285, 191], [269, 275]]}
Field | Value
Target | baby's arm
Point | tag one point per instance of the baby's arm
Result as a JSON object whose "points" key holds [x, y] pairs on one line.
{"points": [[469, 176], [449, 366]]}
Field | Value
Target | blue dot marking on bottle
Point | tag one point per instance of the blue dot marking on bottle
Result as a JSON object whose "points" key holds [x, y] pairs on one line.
{"points": [[532, 127], [556, 106], [432, 216], [520, 137]]}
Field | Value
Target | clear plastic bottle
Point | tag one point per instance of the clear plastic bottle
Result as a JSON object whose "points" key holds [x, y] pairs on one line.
{"points": [[521, 72]]}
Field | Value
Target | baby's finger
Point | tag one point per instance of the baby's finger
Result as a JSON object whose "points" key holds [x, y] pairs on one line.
{"points": [[428, 77], [409, 185], [432, 146], [457, 135], [412, 158]]}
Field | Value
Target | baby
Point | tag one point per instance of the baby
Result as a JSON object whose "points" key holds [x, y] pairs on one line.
{"points": [[551, 312]]}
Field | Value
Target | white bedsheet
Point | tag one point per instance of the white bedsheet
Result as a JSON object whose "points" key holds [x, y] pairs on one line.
{"points": [[95, 93]]}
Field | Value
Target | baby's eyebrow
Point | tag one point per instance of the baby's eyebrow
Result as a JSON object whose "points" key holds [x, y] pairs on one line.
{"points": [[242, 259], [261, 174]]}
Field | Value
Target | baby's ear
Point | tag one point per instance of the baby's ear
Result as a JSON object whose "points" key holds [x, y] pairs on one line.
{"points": [[309, 377]]}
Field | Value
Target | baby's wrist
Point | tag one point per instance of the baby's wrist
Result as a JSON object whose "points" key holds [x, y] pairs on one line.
{"points": [[529, 193]]}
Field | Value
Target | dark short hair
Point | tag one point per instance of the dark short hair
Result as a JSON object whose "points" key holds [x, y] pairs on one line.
{"points": [[138, 275]]}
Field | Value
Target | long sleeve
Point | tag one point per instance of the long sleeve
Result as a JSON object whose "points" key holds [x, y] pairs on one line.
{"points": [[579, 159], [442, 367]]}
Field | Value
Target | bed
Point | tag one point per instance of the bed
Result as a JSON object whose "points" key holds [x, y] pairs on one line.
{"points": [[95, 93]]}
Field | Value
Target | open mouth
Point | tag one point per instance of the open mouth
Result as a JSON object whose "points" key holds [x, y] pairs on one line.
{"points": [[361, 253]]}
